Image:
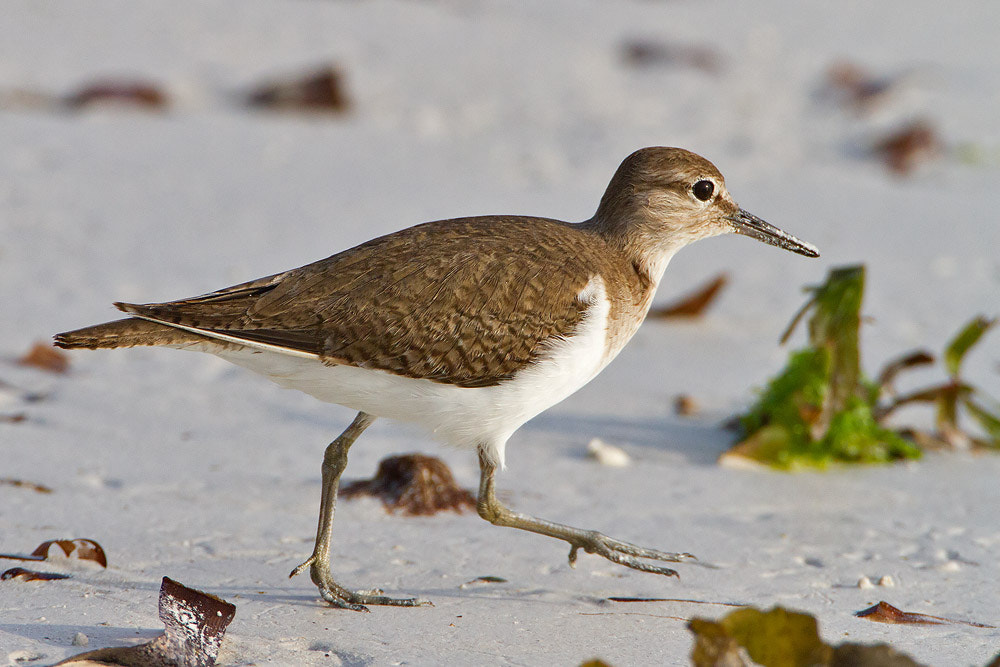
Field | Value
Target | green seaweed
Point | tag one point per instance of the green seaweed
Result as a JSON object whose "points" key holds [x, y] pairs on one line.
{"points": [[956, 396], [821, 408]]}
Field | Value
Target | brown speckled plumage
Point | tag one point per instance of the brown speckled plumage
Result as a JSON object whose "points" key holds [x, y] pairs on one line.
{"points": [[466, 302]]}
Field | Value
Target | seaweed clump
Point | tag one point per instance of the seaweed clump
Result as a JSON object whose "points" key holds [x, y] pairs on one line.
{"points": [[822, 409]]}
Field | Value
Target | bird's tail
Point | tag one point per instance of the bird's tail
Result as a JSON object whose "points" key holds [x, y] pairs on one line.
{"points": [[129, 332]]}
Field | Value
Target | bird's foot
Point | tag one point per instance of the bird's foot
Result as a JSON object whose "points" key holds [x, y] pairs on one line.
{"points": [[625, 553], [344, 598]]}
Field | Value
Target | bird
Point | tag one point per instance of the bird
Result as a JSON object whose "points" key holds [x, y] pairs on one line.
{"points": [[468, 327]]}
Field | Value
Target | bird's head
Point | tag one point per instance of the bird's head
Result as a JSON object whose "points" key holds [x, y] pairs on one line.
{"points": [[668, 197]]}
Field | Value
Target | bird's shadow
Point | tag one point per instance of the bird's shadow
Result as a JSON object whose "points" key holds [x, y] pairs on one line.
{"points": [[698, 441], [56, 635]]}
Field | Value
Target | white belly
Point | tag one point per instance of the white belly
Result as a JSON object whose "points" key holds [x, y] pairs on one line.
{"points": [[462, 416]]}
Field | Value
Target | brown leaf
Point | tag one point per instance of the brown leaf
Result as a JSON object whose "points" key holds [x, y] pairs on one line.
{"points": [[415, 484], [685, 405], [487, 579], [195, 624], [780, 637], [44, 356], [944, 393], [776, 637], [31, 575], [694, 304], [15, 418], [909, 360], [905, 148], [20, 483], [321, 90], [884, 612], [140, 94], [81, 549]]}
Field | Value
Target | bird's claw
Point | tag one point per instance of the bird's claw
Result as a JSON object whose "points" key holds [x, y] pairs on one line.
{"points": [[625, 553], [344, 598]]}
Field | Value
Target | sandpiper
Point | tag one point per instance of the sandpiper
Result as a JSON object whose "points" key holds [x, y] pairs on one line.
{"points": [[469, 327]]}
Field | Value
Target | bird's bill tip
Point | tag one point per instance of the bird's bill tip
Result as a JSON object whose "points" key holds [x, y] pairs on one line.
{"points": [[750, 225]]}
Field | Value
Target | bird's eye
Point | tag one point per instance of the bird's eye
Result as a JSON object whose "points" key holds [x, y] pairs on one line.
{"points": [[703, 190]]}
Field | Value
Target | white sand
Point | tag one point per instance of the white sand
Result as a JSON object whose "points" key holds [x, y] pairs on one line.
{"points": [[181, 465]]}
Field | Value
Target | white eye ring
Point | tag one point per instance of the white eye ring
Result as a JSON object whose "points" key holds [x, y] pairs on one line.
{"points": [[703, 189]]}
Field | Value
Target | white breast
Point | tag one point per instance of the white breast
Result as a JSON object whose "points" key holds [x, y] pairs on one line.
{"points": [[460, 416]]}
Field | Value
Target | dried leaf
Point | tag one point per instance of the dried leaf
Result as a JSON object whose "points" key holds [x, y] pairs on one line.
{"points": [[796, 318], [415, 484], [714, 646], [487, 579], [780, 638], [904, 149], [694, 304], [81, 549], [321, 90], [140, 94], [909, 360], [20, 483], [957, 348], [944, 392], [44, 356], [777, 638], [195, 625], [31, 575], [685, 405], [883, 612]]}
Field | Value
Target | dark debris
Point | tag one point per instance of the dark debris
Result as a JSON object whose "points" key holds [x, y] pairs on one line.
{"points": [[415, 485], [322, 90]]}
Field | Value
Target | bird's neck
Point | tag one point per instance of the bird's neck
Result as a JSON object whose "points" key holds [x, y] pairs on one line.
{"points": [[638, 237]]}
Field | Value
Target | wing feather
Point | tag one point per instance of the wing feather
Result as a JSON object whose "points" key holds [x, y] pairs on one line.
{"points": [[466, 302]]}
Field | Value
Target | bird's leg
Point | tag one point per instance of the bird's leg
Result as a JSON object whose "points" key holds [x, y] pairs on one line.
{"points": [[590, 541], [334, 462]]}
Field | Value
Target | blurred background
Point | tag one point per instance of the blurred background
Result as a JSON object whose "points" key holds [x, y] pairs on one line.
{"points": [[158, 150]]}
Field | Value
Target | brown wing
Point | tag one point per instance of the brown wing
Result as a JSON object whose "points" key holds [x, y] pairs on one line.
{"points": [[466, 302]]}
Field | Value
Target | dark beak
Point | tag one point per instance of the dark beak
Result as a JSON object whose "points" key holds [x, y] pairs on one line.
{"points": [[749, 224]]}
